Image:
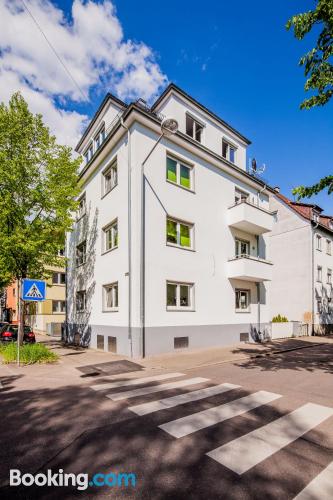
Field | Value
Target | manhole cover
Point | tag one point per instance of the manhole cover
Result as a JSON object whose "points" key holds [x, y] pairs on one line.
{"points": [[110, 368]]}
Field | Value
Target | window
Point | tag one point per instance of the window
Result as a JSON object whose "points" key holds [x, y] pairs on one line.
{"points": [[89, 154], [242, 248], [111, 236], [193, 128], [58, 278], [329, 276], [242, 300], [179, 173], [241, 196], [81, 254], [81, 211], [179, 296], [228, 151], [328, 247], [110, 177], [58, 306], [179, 233], [99, 138], [319, 305], [318, 242], [319, 273], [110, 300], [80, 300]]}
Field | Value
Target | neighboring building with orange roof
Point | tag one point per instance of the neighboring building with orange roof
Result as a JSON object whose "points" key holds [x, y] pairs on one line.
{"points": [[302, 251]]}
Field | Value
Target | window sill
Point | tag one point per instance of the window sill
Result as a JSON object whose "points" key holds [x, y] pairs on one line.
{"points": [[114, 310], [178, 309], [189, 190], [110, 250], [58, 284], [108, 192], [180, 247], [242, 311]]}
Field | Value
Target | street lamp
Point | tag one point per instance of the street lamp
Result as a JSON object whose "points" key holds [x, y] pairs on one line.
{"points": [[169, 126]]}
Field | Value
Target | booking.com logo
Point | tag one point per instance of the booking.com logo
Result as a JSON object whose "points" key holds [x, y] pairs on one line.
{"points": [[80, 481]]}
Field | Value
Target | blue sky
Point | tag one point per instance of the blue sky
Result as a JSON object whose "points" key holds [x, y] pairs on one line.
{"points": [[239, 61]]}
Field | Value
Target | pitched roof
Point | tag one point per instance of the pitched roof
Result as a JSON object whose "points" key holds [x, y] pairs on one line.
{"points": [[307, 210]]}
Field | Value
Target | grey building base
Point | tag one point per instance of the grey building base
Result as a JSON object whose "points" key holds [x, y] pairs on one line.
{"points": [[163, 339]]}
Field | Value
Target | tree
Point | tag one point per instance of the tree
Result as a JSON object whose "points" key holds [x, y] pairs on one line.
{"points": [[38, 189], [318, 70]]}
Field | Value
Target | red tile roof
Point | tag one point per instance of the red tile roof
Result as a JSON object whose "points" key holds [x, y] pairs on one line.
{"points": [[307, 210]]}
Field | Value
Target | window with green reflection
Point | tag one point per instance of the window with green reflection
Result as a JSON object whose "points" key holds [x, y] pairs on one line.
{"points": [[171, 231], [185, 173], [179, 173], [185, 239], [171, 170]]}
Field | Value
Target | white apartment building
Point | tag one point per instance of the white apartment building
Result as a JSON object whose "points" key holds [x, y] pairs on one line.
{"points": [[170, 249], [301, 246]]}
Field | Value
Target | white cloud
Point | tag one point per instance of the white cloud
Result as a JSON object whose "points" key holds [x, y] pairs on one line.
{"points": [[93, 48]]}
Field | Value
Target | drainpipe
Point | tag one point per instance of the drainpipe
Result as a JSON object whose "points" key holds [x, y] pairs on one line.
{"points": [[129, 234], [260, 336], [312, 276]]}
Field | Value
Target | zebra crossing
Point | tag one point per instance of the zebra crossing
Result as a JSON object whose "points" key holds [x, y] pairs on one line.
{"points": [[240, 454]]}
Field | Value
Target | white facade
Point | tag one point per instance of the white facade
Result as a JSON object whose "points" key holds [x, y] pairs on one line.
{"points": [[190, 289], [298, 291]]}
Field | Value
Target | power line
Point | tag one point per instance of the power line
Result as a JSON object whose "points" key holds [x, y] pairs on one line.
{"points": [[56, 53]]}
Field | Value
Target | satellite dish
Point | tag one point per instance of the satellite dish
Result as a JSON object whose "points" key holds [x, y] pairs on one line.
{"points": [[254, 169], [169, 125]]}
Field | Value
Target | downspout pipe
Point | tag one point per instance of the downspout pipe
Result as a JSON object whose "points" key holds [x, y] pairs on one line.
{"points": [[143, 249], [129, 234], [313, 277]]}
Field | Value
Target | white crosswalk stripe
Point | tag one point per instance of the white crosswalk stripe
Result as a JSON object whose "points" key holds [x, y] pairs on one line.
{"points": [[135, 381], [243, 453], [192, 423], [156, 388], [320, 488], [173, 401]]}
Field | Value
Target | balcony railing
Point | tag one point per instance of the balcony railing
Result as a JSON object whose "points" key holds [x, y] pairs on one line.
{"points": [[250, 217], [249, 268]]}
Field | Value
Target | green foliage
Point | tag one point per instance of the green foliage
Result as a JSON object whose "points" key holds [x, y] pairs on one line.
{"points": [[317, 62], [29, 353], [279, 319], [307, 192], [38, 187]]}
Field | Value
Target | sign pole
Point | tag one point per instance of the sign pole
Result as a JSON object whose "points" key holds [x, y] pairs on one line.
{"points": [[19, 322]]}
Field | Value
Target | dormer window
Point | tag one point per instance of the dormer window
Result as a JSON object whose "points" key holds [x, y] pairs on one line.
{"points": [[194, 128], [228, 151], [99, 138], [89, 153]]}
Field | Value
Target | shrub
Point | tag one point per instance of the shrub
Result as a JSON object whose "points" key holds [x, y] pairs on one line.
{"points": [[29, 353], [279, 319]]}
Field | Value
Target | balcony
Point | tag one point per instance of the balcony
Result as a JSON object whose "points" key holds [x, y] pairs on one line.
{"points": [[250, 218], [248, 268]]}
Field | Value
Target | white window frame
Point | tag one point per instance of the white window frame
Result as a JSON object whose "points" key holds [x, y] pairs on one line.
{"points": [[196, 123], [115, 297], [318, 242], [58, 310], [84, 295], [83, 244], [180, 163], [179, 222], [241, 241], [328, 247], [229, 145], [89, 153], [319, 305], [248, 294], [329, 276], [58, 274], [113, 169], [82, 208], [319, 274], [178, 306], [111, 226], [241, 196], [99, 137]]}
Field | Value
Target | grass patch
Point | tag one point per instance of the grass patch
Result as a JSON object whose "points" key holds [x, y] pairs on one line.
{"points": [[29, 353]]}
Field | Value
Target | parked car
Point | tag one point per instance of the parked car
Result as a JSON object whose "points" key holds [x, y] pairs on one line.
{"points": [[8, 333]]}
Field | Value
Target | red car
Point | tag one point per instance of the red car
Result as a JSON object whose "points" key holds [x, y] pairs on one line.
{"points": [[8, 333]]}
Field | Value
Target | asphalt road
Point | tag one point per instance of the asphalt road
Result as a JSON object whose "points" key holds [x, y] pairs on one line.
{"points": [[252, 429]]}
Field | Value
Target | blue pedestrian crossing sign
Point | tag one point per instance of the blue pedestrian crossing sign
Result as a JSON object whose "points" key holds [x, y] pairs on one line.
{"points": [[33, 290]]}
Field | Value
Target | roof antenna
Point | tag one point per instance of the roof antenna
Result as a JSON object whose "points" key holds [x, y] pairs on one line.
{"points": [[254, 169]]}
